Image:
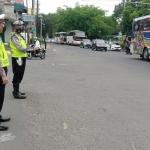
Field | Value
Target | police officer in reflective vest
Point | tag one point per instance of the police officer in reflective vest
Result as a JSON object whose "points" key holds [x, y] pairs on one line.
{"points": [[4, 62], [18, 47]]}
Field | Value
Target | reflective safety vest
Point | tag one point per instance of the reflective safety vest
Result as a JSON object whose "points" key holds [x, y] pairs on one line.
{"points": [[3, 55], [15, 51]]}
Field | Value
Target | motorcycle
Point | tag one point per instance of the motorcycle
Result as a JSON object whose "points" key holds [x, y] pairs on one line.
{"points": [[128, 50], [33, 53]]}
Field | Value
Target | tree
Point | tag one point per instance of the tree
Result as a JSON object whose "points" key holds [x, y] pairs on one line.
{"points": [[89, 19], [118, 11], [130, 12]]}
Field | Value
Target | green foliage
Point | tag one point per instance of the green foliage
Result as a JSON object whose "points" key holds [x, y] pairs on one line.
{"points": [[130, 12], [118, 10], [89, 19], [38, 38]]}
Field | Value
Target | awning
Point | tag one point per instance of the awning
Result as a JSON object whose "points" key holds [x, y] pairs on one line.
{"points": [[20, 7]]}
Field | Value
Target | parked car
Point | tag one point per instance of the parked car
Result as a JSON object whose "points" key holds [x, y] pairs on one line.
{"points": [[86, 43], [52, 40], [47, 40], [99, 44], [115, 46], [57, 40]]}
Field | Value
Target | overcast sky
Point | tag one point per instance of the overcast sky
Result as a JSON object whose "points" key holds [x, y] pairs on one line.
{"points": [[50, 6]]}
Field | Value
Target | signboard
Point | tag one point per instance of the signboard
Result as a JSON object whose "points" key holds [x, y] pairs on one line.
{"points": [[31, 11], [32, 23], [28, 26], [33, 29], [28, 18]]}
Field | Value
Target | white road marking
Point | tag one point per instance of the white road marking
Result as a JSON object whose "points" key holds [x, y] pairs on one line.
{"points": [[65, 126], [6, 137]]}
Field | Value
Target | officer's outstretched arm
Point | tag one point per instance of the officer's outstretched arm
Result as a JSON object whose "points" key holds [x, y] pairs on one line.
{"points": [[16, 42]]}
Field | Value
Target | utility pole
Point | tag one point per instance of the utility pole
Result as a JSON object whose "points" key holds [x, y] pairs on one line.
{"points": [[123, 3], [28, 30], [37, 15], [41, 27], [33, 13]]}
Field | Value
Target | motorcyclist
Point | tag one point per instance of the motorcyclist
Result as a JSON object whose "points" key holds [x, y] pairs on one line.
{"points": [[128, 43], [36, 46]]}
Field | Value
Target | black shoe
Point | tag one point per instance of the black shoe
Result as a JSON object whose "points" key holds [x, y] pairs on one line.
{"points": [[3, 128], [22, 93], [4, 119], [19, 96]]}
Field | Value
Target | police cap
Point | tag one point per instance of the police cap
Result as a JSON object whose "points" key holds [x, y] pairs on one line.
{"points": [[18, 23]]}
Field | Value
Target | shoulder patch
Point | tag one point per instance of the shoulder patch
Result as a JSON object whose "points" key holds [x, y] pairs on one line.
{"points": [[16, 39]]}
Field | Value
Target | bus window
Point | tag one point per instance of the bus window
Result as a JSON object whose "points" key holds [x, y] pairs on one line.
{"points": [[142, 25], [147, 25]]}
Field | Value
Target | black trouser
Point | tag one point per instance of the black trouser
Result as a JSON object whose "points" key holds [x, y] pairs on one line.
{"points": [[2, 90], [18, 71]]}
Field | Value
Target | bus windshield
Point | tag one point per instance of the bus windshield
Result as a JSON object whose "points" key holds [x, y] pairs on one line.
{"points": [[61, 36], [80, 33]]}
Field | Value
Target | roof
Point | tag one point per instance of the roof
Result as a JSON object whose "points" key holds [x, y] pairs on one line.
{"points": [[141, 18], [116, 32], [18, 6]]}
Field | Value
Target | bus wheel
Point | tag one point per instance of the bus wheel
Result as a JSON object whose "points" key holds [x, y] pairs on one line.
{"points": [[145, 55]]}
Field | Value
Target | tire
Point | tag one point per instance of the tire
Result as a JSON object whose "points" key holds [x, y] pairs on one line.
{"points": [[106, 50], [145, 55], [126, 52], [42, 55], [83, 46], [29, 56], [96, 48]]}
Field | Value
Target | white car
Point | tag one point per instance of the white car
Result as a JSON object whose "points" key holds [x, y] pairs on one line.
{"points": [[52, 40], [115, 46], [57, 40], [47, 40]]}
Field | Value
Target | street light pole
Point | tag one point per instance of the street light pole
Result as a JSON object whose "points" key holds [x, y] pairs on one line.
{"points": [[41, 26], [123, 3], [33, 13]]}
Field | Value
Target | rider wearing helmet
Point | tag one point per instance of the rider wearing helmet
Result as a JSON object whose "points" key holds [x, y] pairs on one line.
{"points": [[36, 46]]}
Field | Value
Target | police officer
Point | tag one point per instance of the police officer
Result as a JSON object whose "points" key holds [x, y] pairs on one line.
{"points": [[4, 62], [18, 47]]}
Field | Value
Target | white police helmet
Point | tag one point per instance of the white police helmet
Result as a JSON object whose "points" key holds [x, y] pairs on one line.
{"points": [[35, 38], [18, 26], [18, 23]]}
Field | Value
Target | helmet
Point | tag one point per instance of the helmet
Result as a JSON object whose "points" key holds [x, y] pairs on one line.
{"points": [[18, 25], [2, 21], [35, 38]]}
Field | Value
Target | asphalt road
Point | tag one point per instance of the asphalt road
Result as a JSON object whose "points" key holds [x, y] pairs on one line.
{"points": [[79, 99]]}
